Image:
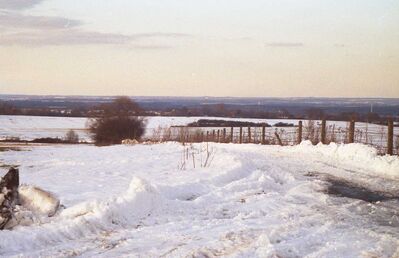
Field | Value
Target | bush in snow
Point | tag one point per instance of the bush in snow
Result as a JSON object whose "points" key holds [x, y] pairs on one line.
{"points": [[72, 137], [117, 121]]}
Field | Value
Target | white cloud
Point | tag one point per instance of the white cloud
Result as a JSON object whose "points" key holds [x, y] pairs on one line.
{"points": [[30, 30], [80, 37], [13, 20], [18, 4]]}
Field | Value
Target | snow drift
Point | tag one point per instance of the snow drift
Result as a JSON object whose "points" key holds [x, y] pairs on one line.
{"points": [[252, 201], [357, 154], [38, 201], [81, 220]]}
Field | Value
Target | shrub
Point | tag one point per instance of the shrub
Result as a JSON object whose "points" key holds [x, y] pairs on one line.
{"points": [[12, 139], [71, 137], [224, 123], [48, 140], [282, 124], [117, 123], [112, 130]]}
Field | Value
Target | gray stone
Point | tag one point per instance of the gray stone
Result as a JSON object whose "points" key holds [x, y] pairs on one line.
{"points": [[9, 197]]}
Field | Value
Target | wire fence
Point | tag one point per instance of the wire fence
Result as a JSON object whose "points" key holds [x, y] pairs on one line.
{"points": [[314, 131]]}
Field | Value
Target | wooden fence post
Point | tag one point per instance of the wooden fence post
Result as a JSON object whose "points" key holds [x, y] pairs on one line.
{"points": [[323, 131], [351, 138], [218, 136], [390, 137], [240, 134], [300, 126], [249, 134], [207, 136], [224, 135], [231, 134], [213, 135], [263, 134]]}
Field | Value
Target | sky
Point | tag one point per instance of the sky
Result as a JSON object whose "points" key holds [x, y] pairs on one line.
{"points": [[238, 48]]}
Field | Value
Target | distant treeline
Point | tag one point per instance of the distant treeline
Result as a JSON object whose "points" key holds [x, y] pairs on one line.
{"points": [[9, 109], [229, 123], [224, 123], [216, 110]]}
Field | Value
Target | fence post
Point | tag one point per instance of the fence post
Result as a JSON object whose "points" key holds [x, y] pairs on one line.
{"points": [[263, 134], [351, 131], [249, 134], [224, 135], [207, 136], [231, 134], [218, 136], [213, 135], [300, 126], [323, 131], [390, 137], [240, 134]]}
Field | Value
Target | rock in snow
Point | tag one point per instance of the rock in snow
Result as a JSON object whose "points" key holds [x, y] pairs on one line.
{"points": [[8, 196], [19, 205]]}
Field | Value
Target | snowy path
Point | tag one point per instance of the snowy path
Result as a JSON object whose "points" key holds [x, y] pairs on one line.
{"points": [[252, 201]]}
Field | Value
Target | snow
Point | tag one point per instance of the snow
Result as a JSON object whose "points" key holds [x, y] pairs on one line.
{"points": [[37, 200], [249, 201], [357, 153], [31, 127]]}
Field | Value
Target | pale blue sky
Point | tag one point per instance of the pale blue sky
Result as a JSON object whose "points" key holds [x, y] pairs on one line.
{"points": [[208, 47]]}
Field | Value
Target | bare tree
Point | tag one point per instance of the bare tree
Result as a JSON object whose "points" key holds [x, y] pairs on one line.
{"points": [[72, 137]]}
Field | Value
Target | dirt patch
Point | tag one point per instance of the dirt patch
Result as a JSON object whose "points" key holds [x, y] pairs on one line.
{"points": [[2, 149], [344, 188], [347, 189], [380, 205]]}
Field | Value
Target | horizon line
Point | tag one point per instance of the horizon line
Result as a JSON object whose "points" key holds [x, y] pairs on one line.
{"points": [[204, 96]]}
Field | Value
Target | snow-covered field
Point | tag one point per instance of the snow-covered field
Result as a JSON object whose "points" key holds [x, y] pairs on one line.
{"points": [[31, 127], [248, 201]]}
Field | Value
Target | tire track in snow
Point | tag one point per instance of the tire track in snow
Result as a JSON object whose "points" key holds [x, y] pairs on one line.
{"points": [[284, 211]]}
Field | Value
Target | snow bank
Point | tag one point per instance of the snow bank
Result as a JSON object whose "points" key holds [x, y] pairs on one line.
{"points": [[264, 248], [140, 199], [361, 155], [84, 219]]}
